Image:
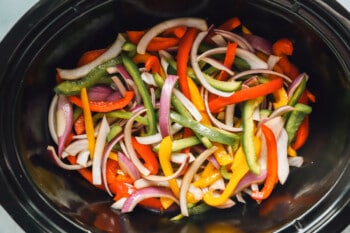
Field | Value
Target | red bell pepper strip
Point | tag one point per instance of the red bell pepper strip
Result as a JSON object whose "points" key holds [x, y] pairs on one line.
{"points": [[148, 155], [245, 94], [302, 134], [104, 106], [182, 59], [230, 24], [272, 176], [283, 48], [89, 56], [79, 125], [179, 31], [229, 59]]}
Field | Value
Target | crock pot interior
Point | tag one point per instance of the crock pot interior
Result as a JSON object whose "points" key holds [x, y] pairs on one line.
{"points": [[66, 199]]}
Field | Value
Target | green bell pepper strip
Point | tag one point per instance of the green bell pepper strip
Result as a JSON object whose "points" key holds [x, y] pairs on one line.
{"points": [[298, 92], [212, 133], [248, 144], [120, 115], [95, 76], [295, 119], [134, 72], [181, 144]]}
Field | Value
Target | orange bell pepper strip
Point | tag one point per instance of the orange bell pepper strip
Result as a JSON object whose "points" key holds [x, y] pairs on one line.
{"points": [[245, 94], [135, 36], [89, 56], [89, 124], [229, 59], [147, 154], [272, 176], [156, 44], [79, 125], [230, 24], [302, 134], [182, 59], [104, 106], [151, 62]]}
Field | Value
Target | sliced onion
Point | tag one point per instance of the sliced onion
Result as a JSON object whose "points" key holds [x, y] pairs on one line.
{"points": [[105, 156], [83, 157], [260, 71], [272, 61], [214, 162], [128, 143], [178, 172], [164, 109], [98, 152], [99, 92], [186, 181], [179, 157], [156, 138], [218, 185], [61, 164], [254, 61], [52, 118], [147, 77], [118, 205], [227, 204], [283, 165], [249, 179], [295, 84], [120, 86], [128, 167], [75, 147], [188, 105], [197, 70], [259, 43], [64, 118], [243, 43], [215, 121], [219, 40], [144, 193], [296, 161], [159, 28], [143, 183], [216, 64], [113, 51]]}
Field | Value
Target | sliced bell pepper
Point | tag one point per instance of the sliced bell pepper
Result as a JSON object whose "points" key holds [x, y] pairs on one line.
{"points": [[89, 125], [272, 176], [229, 59], [217, 103], [230, 24], [104, 106], [148, 155], [89, 56]]}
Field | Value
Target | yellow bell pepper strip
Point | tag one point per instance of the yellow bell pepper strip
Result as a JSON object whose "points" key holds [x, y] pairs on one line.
{"points": [[164, 160], [295, 119], [203, 182], [281, 98], [239, 169], [134, 72], [212, 133], [221, 155], [248, 125], [104, 106], [272, 176], [217, 103], [89, 125], [185, 46]]}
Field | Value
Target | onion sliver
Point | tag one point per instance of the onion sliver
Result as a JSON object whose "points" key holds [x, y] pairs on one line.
{"points": [[186, 181], [63, 165], [178, 172], [98, 152], [254, 61], [283, 165], [296, 161], [144, 193], [156, 138], [64, 121], [164, 109], [243, 43], [113, 51], [75, 147], [159, 28], [52, 118], [127, 166], [250, 178], [216, 64], [128, 144], [188, 105]]}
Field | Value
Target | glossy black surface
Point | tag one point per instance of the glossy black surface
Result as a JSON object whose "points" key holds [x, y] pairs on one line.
{"points": [[44, 198]]}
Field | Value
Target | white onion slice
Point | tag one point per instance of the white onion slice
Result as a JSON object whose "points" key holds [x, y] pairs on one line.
{"points": [[186, 181], [159, 28], [83, 157], [188, 105], [118, 205], [75, 147], [283, 165], [156, 138], [52, 119], [98, 152], [218, 65], [113, 51], [296, 161], [254, 61], [61, 164], [242, 42]]}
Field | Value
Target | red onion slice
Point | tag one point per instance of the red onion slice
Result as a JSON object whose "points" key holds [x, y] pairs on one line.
{"points": [[249, 179], [144, 193], [164, 109], [242, 42], [99, 92], [52, 119], [159, 28], [259, 43], [188, 105], [128, 167], [64, 117], [113, 51], [61, 164], [295, 84]]}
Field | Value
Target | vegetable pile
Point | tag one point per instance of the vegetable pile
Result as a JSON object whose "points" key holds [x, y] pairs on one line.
{"points": [[182, 115]]}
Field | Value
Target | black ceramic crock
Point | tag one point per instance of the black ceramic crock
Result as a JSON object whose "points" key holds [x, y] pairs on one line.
{"points": [[44, 198]]}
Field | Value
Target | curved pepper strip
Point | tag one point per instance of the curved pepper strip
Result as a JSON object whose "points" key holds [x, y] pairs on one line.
{"points": [[239, 169], [148, 155], [104, 106], [164, 159], [272, 176], [89, 125]]}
